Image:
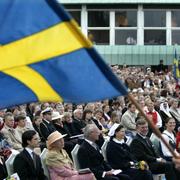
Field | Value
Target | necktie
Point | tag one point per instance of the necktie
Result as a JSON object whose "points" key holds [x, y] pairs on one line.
{"points": [[34, 159], [95, 146], [11, 131]]}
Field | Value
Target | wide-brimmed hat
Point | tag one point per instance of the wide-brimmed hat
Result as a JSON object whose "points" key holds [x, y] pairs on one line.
{"points": [[56, 115], [53, 137]]}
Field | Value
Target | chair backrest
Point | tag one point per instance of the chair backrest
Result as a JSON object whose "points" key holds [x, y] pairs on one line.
{"points": [[43, 157], [103, 149], [128, 140], [74, 157], [156, 142], [9, 162]]}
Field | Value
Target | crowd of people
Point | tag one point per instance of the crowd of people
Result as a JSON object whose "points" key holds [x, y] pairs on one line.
{"points": [[59, 127]]}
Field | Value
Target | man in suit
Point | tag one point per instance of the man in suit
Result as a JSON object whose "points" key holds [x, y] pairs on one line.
{"points": [[89, 156], [11, 134], [143, 149], [46, 126], [27, 164], [77, 120]]}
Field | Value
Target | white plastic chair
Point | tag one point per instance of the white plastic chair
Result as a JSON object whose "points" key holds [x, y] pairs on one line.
{"points": [[43, 157], [74, 157], [103, 149], [9, 162], [155, 141]]}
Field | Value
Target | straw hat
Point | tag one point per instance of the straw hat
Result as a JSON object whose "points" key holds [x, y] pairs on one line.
{"points": [[53, 137], [56, 115]]}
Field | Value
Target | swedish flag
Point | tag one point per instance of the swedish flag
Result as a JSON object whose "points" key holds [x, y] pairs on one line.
{"points": [[44, 57], [176, 67]]}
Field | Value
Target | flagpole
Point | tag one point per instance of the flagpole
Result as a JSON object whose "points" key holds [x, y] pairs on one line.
{"points": [[153, 127]]}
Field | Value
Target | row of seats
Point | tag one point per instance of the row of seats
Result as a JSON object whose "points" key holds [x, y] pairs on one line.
{"points": [[10, 160]]}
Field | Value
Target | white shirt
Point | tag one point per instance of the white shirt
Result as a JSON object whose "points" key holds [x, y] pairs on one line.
{"points": [[171, 137], [30, 151]]}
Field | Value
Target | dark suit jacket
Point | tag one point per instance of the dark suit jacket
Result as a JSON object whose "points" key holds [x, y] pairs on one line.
{"points": [[46, 129], [24, 166], [142, 150], [79, 125], [91, 158], [119, 156]]}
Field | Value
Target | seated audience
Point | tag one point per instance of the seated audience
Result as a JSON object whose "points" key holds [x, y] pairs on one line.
{"points": [[27, 164], [69, 125], [128, 120], [58, 124], [59, 163], [169, 136], [37, 120], [143, 149], [21, 124], [77, 120], [10, 133], [90, 157], [46, 126], [114, 119], [119, 155], [175, 111]]}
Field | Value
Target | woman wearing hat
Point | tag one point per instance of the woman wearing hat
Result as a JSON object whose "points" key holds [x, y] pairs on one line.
{"points": [[119, 156], [59, 163]]}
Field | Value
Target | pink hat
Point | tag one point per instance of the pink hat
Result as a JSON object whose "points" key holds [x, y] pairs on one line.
{"points": [[53, 137]]}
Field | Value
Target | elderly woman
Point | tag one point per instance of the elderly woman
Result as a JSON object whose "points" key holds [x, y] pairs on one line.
{"points": [[59, 163], [119, 156]]}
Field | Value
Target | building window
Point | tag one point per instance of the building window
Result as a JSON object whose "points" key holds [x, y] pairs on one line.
{"points": [[175, 24], [126, 27], [126, 37], [175, 37], [154, 27], [99, 27], [126, 19], [98, 19], [154, 37], [99, 37], [154, 18], [76, 15], [175, 19]]}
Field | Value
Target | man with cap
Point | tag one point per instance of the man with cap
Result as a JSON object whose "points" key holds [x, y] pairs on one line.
{"points": [[46, 126], [27, 164]]}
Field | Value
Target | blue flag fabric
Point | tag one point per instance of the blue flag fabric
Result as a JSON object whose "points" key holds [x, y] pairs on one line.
{"points": [[176, 67], [44, 57]]}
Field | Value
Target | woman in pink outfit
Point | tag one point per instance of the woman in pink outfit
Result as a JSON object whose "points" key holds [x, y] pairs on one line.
{"points": [[59, 163]]}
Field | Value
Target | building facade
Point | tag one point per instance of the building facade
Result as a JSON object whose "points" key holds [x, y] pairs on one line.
{"points": [[132, 32]]}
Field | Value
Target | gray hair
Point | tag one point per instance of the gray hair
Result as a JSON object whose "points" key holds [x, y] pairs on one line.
{"points": [[76, 111], [88, 130]]}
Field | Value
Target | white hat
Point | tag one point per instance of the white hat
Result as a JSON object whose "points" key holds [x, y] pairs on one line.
{"points": [[56, 115], [48, 109], [113, 129]]}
